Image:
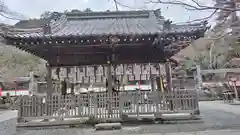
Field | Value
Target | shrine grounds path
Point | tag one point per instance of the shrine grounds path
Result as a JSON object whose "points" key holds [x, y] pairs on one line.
{"points": [[219, 118]]}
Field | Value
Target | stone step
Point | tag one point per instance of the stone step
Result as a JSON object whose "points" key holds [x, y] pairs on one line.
{"points": [[108, 126]]}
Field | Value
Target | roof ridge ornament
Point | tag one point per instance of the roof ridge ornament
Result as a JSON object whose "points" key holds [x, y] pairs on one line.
{"points": [[167, 24], [46, 29], [205, 23], [158, 13]]}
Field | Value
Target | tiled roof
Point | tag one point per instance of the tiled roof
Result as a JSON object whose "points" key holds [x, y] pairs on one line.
{"points": [[107, 23]]}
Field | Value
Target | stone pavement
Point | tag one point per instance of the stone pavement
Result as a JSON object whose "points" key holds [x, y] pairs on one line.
{"points": [[209, 132], [206, 132], [8, 122], [6, 115], [220, 105], [219, 118]]}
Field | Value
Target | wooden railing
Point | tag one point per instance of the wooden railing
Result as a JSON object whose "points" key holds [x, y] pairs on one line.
{"points": [[104, 105], [228, 97]]}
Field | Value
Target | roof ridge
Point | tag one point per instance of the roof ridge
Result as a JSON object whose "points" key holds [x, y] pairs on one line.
{"points": [[108, 14], [24, 31]]}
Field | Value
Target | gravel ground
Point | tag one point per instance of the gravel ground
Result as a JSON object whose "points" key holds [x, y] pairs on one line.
{"points": [[218, 118], [8, 127]]}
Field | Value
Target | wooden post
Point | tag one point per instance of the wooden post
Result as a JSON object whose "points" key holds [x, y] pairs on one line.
{"points": [[235, 90], [159, 80], [32, 83], [76, 74], [124, 76], [181, 76], [109, 88], [160, 88], [152, 77], [168, 70], [49, 80], [68, 79], [115, 85], [198, 85], [169, 82], [199, 78]]}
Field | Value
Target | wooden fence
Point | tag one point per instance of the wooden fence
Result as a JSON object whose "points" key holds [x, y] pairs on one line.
{"points": [[103, 105], [228, 97]]}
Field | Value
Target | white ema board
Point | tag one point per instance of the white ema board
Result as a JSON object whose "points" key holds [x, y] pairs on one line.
{"points": [[130, 69]]}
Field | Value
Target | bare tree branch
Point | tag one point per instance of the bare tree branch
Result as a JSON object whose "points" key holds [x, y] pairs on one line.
{"points": [[197, 5], [204, 18], [9, 14], [126, 6], [221, 36], [116, 4], [8, 17]]}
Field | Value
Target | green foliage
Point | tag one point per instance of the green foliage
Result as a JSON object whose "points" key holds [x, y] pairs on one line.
{"points": [[14, 63], [189, 63], [219, 59]]}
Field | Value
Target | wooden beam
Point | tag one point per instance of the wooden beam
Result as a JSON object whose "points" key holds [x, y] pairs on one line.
{"points": [[81, 53], [68, 63], [94, 45], [87, 59], [98, 50]]}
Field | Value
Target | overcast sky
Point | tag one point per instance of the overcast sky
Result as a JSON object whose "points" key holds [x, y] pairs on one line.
{"points": [[33, 8]]}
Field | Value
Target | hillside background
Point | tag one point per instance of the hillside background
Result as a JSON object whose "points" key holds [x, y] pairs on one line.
{"points": [[16, 63]]}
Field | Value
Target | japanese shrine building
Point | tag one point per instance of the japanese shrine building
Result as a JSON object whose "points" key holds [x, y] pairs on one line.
{"points": [[96, 38]]}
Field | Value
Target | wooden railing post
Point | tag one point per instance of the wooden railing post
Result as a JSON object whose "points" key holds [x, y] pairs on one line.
{"points": [[198, 84], [138, 94], [49, 80], [168, 70], [109, 88]]}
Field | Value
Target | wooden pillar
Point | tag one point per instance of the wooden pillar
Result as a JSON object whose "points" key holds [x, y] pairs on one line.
{"points": [[31, 83], [68, 79], [159, 80], [168, 70], [115, 86], [160, 89], [152, 79], [76, 74], [198, 86], [124, 77], [235, 90], [109, 78], [199, 78], [49, 80], [109, 87], [182, 78]]}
